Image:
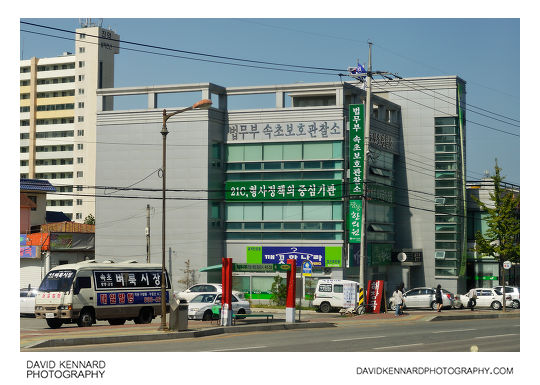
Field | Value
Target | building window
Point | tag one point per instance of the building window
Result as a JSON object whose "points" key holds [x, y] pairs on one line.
{"points": [[81, 64], [81, 49], [80, 119], [79, 188], [82, 35], [81, 78], [81, 91], [79, 202], [80, 132], [79, 160], [78, 216], [80, 146], [81, 104], [79, 174], [33, 198]]}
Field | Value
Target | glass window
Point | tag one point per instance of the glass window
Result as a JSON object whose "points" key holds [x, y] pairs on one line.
{"points": [[273, 152], [318, 150], [338, 288], [253, 152], [292, 151], [235, 212], [273, 211], [325, 288], [317, 211], [235, 153], [253, 212], [337, 150], [448, 130], [292, 211], [445, 121], [261, 285], [337, 211], [449, 157]]}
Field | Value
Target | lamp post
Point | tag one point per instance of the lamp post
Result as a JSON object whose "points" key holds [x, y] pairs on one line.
{"points": [[201, 105]]}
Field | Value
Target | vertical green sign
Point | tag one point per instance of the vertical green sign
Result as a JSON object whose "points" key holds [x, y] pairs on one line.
{"points": [[356, 149], [355, 221]]}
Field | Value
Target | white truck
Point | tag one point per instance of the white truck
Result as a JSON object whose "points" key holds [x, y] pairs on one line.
{"points": [[335, 294], [88, 291]]}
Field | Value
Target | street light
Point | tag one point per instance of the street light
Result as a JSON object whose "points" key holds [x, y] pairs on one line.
{"points": [[200, 105]]}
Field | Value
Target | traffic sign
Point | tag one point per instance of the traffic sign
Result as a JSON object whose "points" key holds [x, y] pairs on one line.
{"points": [[307, 268], [507, 265]]}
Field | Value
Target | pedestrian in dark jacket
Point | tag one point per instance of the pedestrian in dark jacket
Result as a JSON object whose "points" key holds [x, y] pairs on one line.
{"points": [[438, 298]]}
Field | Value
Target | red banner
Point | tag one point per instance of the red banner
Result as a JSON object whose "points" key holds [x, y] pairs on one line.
{"points": [[374, 296]]}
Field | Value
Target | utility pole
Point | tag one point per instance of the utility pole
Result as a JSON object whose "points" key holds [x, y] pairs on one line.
{"points": [[147, 232], [367, 120]]}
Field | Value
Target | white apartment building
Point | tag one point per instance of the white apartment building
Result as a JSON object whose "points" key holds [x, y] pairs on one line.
{"points": [[58, 118]]}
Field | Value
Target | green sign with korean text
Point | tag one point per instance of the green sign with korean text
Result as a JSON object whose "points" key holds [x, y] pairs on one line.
{"points": [[356, 149], [355, 221], [283, 190]]}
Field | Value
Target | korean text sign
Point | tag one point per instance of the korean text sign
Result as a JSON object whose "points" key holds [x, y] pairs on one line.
{"points": [[356, 148], [283, 190]]}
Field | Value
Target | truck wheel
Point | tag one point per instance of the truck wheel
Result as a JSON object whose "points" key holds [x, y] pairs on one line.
{"points": [[145, 316], [86, 318], [54, 323], [117, 321], [325, 307]]}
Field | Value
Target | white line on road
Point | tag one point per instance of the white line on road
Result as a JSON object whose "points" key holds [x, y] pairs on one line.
{"points": [[358, 338], [451, 331], [500, 335], [251, 347], [397, 346]]}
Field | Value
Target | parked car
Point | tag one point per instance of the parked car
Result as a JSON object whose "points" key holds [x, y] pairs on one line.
{"points": [[486, 297], [197, 289], [200, 307], [514, 293], [28, 301], [423, 297]]}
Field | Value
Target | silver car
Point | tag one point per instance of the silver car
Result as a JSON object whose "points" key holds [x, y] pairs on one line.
{"points": [[424, 297], [201, 306], [486, 297]]}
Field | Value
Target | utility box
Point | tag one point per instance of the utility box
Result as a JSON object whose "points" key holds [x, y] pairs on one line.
{"points": [[178, 316]]}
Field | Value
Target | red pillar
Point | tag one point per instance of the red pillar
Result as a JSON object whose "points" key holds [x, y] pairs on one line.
{"points": [[291, 292], [226, 291]]}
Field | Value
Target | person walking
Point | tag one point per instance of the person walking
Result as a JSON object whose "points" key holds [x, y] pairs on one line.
{"points": [[398, 300], [438, 298], [472, 298]]}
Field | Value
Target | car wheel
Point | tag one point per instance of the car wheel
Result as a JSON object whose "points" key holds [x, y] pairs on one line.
{"points": [[54, 323], [496, 305], [325, 307], [515, 304], [117, 321], [434, 305], [145, 316], [240, 311], [392, 306], [86, 318], [207, 316]]}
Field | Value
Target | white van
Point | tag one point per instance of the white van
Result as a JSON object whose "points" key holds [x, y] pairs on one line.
{"points": [[88, 291], [329, 294]]}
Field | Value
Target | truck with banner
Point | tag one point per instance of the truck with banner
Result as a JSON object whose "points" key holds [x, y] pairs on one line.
{"points": [[88, 291]]}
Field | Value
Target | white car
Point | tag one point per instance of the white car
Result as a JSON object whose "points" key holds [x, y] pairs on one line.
{"points": [[28, 301], [513, 291], [197, 289], [486, 297], [200, 307], [423, 297]]}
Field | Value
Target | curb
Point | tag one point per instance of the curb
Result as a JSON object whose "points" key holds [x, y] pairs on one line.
{"points": [[472, 316], [58, 342]]}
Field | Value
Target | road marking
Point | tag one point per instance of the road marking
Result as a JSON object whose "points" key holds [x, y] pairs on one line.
{"points": [[451, 331], [397, 346], [358, 338], [500, 335], [251, 347]]}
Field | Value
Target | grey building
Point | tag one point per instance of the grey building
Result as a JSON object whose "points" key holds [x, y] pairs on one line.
{"points": [[263, 183]]}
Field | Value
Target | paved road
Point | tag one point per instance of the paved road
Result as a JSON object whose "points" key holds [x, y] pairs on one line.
{"points": [[501, 335]]}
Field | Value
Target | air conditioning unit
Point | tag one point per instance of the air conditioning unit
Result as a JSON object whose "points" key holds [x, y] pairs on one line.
{"points": [[440, 254]]}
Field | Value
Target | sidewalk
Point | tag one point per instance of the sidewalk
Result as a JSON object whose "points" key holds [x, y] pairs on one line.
{"points": [[71, 335]]}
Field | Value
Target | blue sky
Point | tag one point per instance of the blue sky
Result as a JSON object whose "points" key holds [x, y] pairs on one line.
{"points": [[484, 52]]}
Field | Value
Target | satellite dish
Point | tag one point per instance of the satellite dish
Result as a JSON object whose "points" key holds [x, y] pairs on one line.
{"points": [[402, 257]]}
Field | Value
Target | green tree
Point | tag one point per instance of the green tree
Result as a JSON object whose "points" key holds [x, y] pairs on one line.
{"points": [[501, 240], [279, 291], [90, 220]]}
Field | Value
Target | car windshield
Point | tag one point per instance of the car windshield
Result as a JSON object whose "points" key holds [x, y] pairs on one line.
{"points": [[498, 292], [204, 298], [58, 280]]}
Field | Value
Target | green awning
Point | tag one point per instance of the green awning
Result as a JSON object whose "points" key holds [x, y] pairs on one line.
{"points": [[211, 268]]}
